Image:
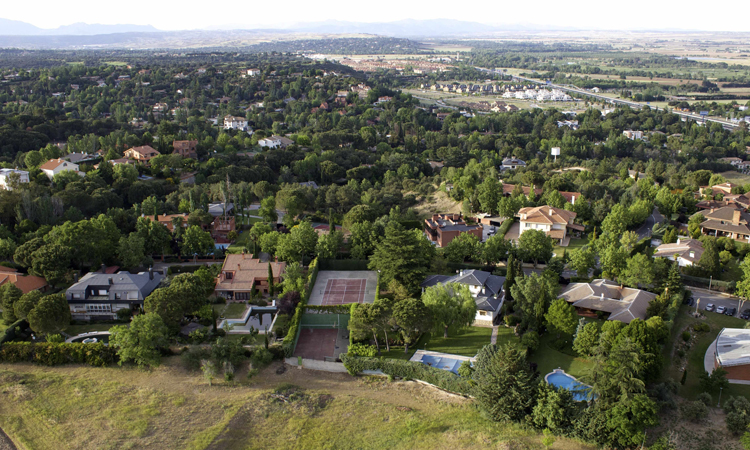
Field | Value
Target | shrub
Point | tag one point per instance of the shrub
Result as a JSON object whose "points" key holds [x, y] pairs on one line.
{"points": [[685, 336], [705, 398], [684, 377], [694, 411], [54, 353], [362, 350], [124, 314], [511, 321], [465, 370], [410, 371], [261, 358], [193, 357]]}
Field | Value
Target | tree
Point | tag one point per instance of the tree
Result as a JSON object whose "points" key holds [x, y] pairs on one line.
{"points": [[533, 295], [294, 279], [9, 295], [131, 250], [743, 286], [26, 303], [627, 421], [52, 261], [639, 270], [613, 260], [403, 255], [586, 340], [505, 383], [462, 247], [513, 273], [258, 230], [583, 260], [51, 315], [450, 305], [494, 250], [709, 261], [196, 242], [562, 317], [412, 318], [364, 238], [548, 438], [165, 303], [629, 240], [555, 409], [300, 242], [362, 322], [269, 242], [712, 382], [536, 245], [268, 209], [489, 194], [329, 244], [141, 341]]}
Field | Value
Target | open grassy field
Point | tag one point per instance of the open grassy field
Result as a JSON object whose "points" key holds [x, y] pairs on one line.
{"points": [[123, 408], [736, 177]]}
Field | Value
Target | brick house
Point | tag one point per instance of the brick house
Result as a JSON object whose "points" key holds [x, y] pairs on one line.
{"points": [[143, 153], [241, 273], [186, 149], [441, 229]]}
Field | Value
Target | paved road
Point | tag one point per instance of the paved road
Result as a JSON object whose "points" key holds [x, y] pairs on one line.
{"points": [[645, 229]]}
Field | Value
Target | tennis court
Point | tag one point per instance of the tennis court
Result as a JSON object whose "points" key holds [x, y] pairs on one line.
{"points": [[322, 336], [334, 287]]}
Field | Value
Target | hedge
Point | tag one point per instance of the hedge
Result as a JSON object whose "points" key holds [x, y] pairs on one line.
{"points": [[410, 371], [344, 264], [723, 286], [291, 336], [503, 230], [10, 332], [331, 309], [55, 354], [184, 269]]}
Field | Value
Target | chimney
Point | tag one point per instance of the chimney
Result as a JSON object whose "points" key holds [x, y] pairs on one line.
{"points": [[104, 268], [692, 254], [678, 240], [150, 273], [601, 296], [736, 217], [75, 277], [111, 281], [461, 273]]}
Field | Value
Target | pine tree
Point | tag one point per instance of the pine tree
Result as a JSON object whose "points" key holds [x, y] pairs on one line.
{"points": [[270, 280]]}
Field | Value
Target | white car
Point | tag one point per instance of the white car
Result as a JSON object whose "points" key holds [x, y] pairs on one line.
{"points": [[721, 309]]}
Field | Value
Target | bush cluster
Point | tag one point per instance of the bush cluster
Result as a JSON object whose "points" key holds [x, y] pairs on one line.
{"points": [[291, 335], [409, 370], [55, 354]]}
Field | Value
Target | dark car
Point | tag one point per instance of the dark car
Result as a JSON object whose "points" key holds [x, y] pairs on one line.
{"points": [[691, 301], [745, 314], [731, 311]]}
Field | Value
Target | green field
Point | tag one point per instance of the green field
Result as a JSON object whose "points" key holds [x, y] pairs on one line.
{"points": [[168, 407], [465, 342], [231, 310]]}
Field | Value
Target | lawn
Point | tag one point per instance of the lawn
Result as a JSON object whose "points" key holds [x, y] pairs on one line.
{"points": [[231, 310], [168, 407], [697, 351], [242, 241], [3, 327], [574, 245], [548, 358], [467, 343], [736, 177]]}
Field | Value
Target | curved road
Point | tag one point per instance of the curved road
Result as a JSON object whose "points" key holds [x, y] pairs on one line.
{"points": [[645, 230]]}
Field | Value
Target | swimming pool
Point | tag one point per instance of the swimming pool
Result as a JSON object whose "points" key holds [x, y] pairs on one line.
{"points": [[441, 362], [558, 378], [91, 337]]}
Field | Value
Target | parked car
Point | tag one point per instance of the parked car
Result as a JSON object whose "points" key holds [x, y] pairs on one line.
{"points": [[721, 309], [691, 301], [745, 314], [731, 312], [710, 307]]}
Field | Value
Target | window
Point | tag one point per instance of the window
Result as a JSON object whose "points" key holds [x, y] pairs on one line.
{"points": [[228, 275], [482, 313], [98, 308], [118, 296]]}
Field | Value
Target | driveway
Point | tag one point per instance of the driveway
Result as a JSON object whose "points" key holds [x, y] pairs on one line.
{"points": [[717, 299], [645, 230]]}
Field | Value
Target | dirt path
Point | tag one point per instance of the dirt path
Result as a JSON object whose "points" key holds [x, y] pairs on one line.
{"points": [[5, 442]]}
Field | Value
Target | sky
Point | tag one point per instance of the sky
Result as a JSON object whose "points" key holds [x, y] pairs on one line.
{"points": [[199, 14]]}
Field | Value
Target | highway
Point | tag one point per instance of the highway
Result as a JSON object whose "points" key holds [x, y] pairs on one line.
{"points": [[725, 123]]}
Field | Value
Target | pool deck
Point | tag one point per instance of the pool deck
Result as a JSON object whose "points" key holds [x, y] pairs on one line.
{"points": [[257, 317], [419, 354], [89, 334]]}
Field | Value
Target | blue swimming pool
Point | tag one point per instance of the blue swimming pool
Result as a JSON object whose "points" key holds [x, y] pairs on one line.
{"points": [[441, 362], [559, 378]]}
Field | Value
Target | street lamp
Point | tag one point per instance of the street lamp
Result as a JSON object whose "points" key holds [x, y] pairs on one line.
{"points": [[718, 405]]}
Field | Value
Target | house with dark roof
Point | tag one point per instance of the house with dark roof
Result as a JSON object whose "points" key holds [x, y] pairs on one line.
{"points": [[727, 221], [100, 295], [512, 163], [441, 229], [685, 251], [487, 290], [620, 303]]}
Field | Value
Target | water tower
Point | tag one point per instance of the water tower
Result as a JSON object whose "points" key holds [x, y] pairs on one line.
{"points": [[555, 152]]}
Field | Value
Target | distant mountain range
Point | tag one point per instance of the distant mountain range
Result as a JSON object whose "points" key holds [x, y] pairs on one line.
{"points": [[18, 28]]}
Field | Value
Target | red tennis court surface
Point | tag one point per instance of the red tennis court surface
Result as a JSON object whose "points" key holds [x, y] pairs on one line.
{"points": [[340, 291], [316, 343]]}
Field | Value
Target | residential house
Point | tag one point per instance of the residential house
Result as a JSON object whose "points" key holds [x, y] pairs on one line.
{"points": [[275, 142], [79, 158], [242, 274], [235, 123], [686, 251], [487, 290], [55, 166], [26, 283], [723, 188], [310, 184], [733, 160], [170, 220], [633, 135], [144, 153], [218, 209], [727, 221], [512, 163], [441, 229], [9, 176], [604, 296], [186, 149], [253, 72], [100, 295], [741, 200], [508, 190], [222, 226], [555, 222]]}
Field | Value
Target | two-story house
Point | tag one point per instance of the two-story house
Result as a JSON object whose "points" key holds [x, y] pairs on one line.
{"points": [[727, 221], [235, 123], [555, 222], [512, 163], [441, 229], [186, 149], [487, 290], [275, 142], [241, 274], [685, 251], [144, 153], [55, 166], [10, 176], [100, 295]]}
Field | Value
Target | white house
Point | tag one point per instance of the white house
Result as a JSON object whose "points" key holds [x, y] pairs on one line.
{"points": [[553, 221], [686, 251], [253, 72], [512, 163], [55, 166], [235, 123], [275, 142], [7, 174], [487, 290]]}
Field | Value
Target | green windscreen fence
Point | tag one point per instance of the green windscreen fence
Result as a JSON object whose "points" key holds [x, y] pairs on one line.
{"points": [[322, 320]]}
